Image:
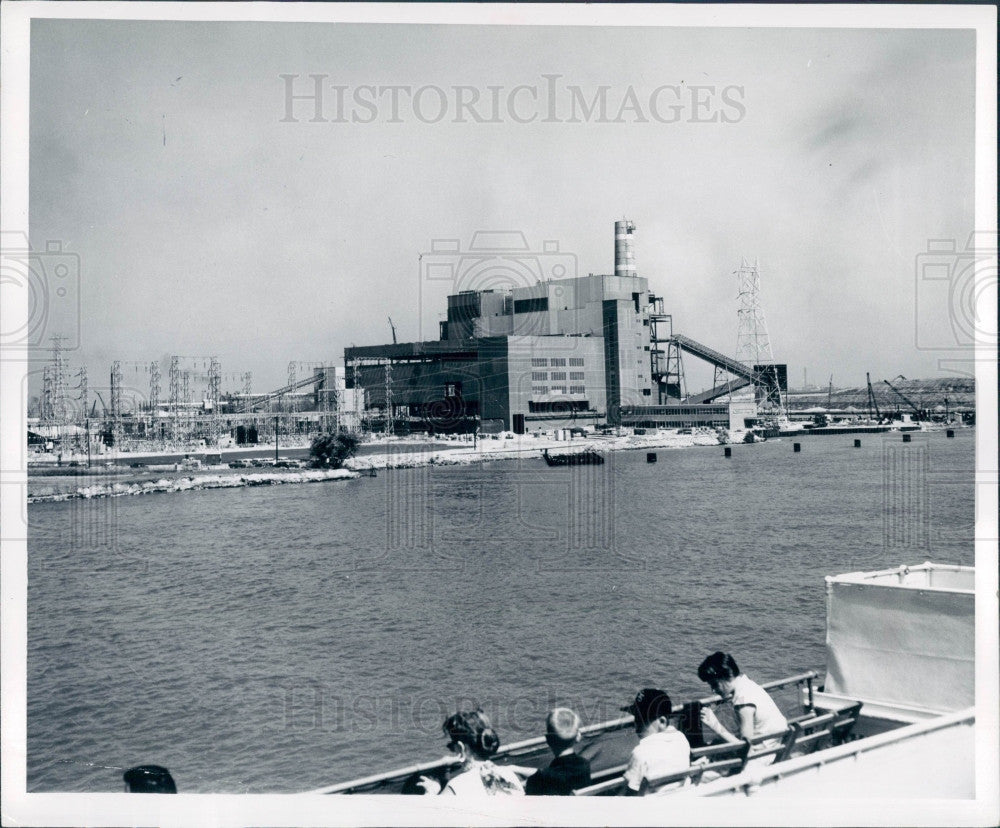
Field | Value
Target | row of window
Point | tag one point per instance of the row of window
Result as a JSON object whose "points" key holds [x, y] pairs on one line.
{"points": [[542, 376], [542, 390], [542, 362]]}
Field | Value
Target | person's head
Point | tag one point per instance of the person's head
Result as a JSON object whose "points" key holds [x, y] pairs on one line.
{"points": [[562, 729], [651, 710], [471, 733], [149, 779], [718, 672]]}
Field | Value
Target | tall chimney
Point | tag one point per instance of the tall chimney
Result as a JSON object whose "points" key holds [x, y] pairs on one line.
{"points": [[624, 248]]}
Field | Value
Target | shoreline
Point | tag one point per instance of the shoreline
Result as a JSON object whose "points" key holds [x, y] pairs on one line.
{"points": [[155, 480], [387, 453], [530, 447]]}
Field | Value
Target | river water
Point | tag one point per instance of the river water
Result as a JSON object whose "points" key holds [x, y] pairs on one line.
{"points": [[283, 638]]}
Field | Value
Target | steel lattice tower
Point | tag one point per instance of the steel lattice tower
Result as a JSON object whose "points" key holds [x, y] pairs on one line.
{"points": [[84, 391], [154, 387], [59, 409], [390, 425], [215, 394], [45, 406], [175, 394], [753, 346]]}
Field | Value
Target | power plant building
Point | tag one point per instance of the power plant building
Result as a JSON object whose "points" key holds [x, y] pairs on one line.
{"points": [[581, 349]]}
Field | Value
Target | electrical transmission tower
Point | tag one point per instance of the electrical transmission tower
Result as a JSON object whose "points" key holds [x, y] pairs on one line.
{"points": [[116, 404], [390, 424], [59, 407], [175, 395], [753, 347], [45, 411], [154, 387], [83, 391], [215, 394]]}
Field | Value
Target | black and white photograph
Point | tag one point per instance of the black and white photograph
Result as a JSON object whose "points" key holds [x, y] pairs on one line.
{"points": [[413, 413]]}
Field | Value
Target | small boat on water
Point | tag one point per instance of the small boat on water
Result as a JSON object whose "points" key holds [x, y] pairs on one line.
{"points": [[894, 717], [589, 457]]}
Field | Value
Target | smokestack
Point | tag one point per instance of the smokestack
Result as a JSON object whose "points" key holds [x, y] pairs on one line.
{"points": [[624, 248]]}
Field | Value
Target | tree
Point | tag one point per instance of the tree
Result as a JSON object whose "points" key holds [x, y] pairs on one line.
{"points": [[330, 450]]}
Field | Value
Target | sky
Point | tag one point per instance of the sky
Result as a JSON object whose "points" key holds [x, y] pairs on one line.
{"points": [[206, 222]]}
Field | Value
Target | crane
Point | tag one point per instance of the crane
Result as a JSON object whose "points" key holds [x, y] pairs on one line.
{"points": [[393, 331], [919, 413], [872, 402]]}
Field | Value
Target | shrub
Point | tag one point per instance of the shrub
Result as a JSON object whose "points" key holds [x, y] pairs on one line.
{"points": [[330, 450]]}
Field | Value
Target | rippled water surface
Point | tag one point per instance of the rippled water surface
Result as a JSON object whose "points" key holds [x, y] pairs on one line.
{"points": [[279, 639]]}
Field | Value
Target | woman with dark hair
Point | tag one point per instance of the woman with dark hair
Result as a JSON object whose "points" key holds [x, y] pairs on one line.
{"points": [[471, 736], [756, 712]]}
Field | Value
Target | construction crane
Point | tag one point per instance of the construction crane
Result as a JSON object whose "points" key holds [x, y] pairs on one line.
{"points": [[872, 403], [919, 413], [393, 331]]}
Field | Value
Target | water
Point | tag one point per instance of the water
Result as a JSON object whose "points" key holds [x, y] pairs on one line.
{"points": [[283, 638]]}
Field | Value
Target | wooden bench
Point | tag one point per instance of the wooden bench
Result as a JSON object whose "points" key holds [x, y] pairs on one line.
{"points": [[803, 735], [832, 726], [716, 758]]}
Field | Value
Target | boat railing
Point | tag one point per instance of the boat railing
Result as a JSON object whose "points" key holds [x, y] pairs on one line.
{"points": [[803, 735], [538, 744]]}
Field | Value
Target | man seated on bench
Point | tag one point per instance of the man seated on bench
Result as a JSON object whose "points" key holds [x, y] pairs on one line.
{"points": [[662, 749], [756, 712]]}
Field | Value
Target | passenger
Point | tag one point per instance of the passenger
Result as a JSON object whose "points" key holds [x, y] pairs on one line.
{"points": [[756, 712], [568, 771], [662, 749], [149, 779], [475, 741]]}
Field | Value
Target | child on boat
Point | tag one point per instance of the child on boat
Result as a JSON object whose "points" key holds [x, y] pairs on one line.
{"points": [[568, 771], [662, 750]]}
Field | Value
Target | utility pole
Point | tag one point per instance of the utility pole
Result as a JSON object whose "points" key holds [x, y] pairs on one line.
{"points": [[276, 421]]}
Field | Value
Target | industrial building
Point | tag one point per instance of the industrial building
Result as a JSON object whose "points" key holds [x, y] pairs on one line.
{"points": [[588, 349]]}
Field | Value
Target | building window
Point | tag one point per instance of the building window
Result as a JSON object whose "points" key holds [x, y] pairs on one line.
{"points": [[539, 376], [539, 390], [576, 375], [558, 389], [577, 361], [557, 361], [558, 375], [531, 305], [646, 392], [539, 362], [577, 389]]}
